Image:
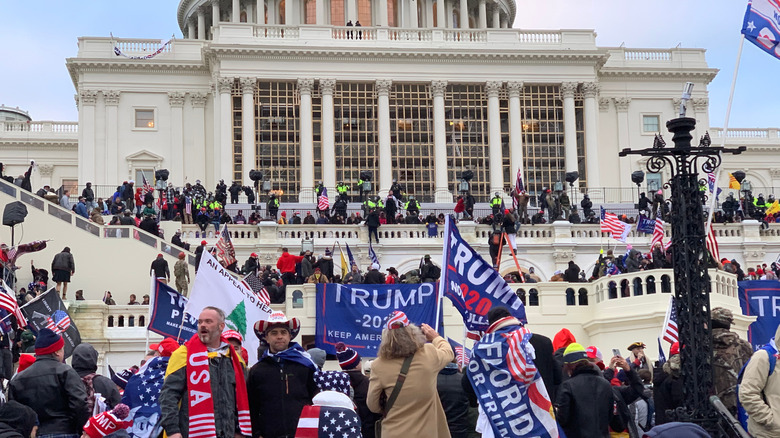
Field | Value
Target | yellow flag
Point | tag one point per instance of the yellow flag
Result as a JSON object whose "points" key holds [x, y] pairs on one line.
{"points": [[733, 183], [343, 265], [774, 208]]}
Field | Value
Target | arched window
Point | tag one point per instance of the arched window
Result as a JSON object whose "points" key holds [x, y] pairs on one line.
{"points": [[650, 285], [243, 17], [570, 301], [582, 297], [455, 18], [533, 297], [612, 290], [297, 297], [521, 294], [666, 284], [637, 286]]}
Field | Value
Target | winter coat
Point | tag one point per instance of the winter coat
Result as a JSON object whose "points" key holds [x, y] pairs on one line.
{"points": [[374, 277], [96, 217], [545, 363], [584, 405], [572, 273], [759, 394], [63, 261], [326, 266], [359, 383], [55, 392], [287, 261], [454, 401], [174, 400], [16, 420], [84, 362], [667, 389], [417, 411], [275, 404]]}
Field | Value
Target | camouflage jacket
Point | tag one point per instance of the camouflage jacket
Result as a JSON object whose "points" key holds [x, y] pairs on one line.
{"points": [[730, 353]]}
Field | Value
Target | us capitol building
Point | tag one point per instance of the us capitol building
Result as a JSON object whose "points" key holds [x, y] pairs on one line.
{"points": [[419, 91]]}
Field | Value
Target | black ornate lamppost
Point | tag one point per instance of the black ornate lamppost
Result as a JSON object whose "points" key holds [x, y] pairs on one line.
{"points": [[690, 258]]}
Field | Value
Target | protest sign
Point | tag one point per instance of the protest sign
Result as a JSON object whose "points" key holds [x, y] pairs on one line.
{"points": [[472, 284], [355, 315], [167, 314], [216, 286], [760, 298]]}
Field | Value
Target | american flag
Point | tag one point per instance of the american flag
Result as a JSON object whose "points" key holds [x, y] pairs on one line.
{"points": [[518, 186], [669, 333], [322, 202], [226, 254], [658, 232], [462, 354], [58, 322], [9, 304], [146, 188], [255, 284], [328, 422], [611, 224], [188, 205], [712, 244], [372, 254]]}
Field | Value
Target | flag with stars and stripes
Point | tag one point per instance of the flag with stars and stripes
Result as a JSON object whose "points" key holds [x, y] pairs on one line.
{"points": [[255, 284], [146, 187], [519, 187], [712, 244], [658, 232], [761, 25], [328, 422], [323, 203], [611, 224], [141, 396], [58, 322], [9, 304], [226, 254], [462, 354], [669, 331], [332, 381]]}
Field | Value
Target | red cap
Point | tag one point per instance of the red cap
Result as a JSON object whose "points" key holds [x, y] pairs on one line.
{"points": [[254, 254], [674, 349], [167, 347], [25, 360], [203, 242]]}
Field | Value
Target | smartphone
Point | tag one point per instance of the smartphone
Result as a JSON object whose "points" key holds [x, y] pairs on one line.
{"points": [[616, 352]]}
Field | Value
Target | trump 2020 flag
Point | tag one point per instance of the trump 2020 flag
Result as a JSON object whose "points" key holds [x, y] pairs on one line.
{"points": [[48, 311], [761, 25], [509, 388], [472, 284], [216, 286], [167, 314]]}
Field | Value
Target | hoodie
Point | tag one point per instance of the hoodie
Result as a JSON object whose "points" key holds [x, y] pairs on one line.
{"points": [[677, 430], [563, 339], [16, 420], [84, 362]]}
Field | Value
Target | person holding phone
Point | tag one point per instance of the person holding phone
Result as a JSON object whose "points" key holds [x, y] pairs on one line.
{"points": [[636, 358]]}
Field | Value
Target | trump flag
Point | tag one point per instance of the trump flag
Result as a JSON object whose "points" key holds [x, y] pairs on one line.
{"points": [[472, 284], [761, 25]]}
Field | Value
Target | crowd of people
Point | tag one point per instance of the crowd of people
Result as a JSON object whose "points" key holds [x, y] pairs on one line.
{"points": [[440, 393]]}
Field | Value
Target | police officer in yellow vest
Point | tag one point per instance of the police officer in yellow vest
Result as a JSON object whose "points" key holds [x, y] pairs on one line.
{"points": [[495, 203]]}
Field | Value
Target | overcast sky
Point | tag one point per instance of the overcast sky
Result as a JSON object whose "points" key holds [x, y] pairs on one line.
{"points": [[38, 35]]}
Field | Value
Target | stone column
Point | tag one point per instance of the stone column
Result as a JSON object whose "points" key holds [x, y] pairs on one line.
{"points": [[195, 159], [328, 132], [496, 16], [87, 147], [624, 141], [464, 14], [176, 161], [494, 138], [289, 12], [320, 14], [215, 13], [414, 21], [441, 183], [385, 152], [482, 14], [260, 11], [441, 14], [201, 25], [429, 14], [192, 32], [515, 130], [273, 14], [248, 87], [382, 13], [590, 91], [224, 169], [235, 11], [305, 87], [569, 126], [111, 99]]}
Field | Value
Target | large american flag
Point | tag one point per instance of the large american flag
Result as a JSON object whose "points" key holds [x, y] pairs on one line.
{"points": [[146, 188], [712, 244], [518, 186], [328, 422], [255, 284], [58, 322], [9, 304], [226, 254], [669, 332], [322, 202], [658, 233], [611, 224]]}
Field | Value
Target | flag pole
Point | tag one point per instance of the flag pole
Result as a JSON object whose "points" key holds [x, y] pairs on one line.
{"points": [[723, 136], [444, 266], [153, 297], [517, 264]]}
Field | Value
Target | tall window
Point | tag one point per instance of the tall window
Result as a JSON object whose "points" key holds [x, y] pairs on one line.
{"points": [[392, 8], [278, 145], [355, 133], [467, 137], [237, 137], [337, 13], [411, 130], [311, 12], [364, 12]]}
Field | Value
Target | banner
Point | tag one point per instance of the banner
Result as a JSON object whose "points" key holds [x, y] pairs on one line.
{"points": [[472, 284], [216, 286], [48, 311], [167, 314], [355, 315], [760, 298], [761, 25]]}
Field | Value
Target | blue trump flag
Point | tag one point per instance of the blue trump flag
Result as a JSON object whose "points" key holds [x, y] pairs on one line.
{"points": [[167, 314], [472, 284], [645, 225], [760, 298], [355, 314], [761, 25]]}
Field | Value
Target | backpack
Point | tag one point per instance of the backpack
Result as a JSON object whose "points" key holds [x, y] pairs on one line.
{"points": [[742, 415], [89, 386]]}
